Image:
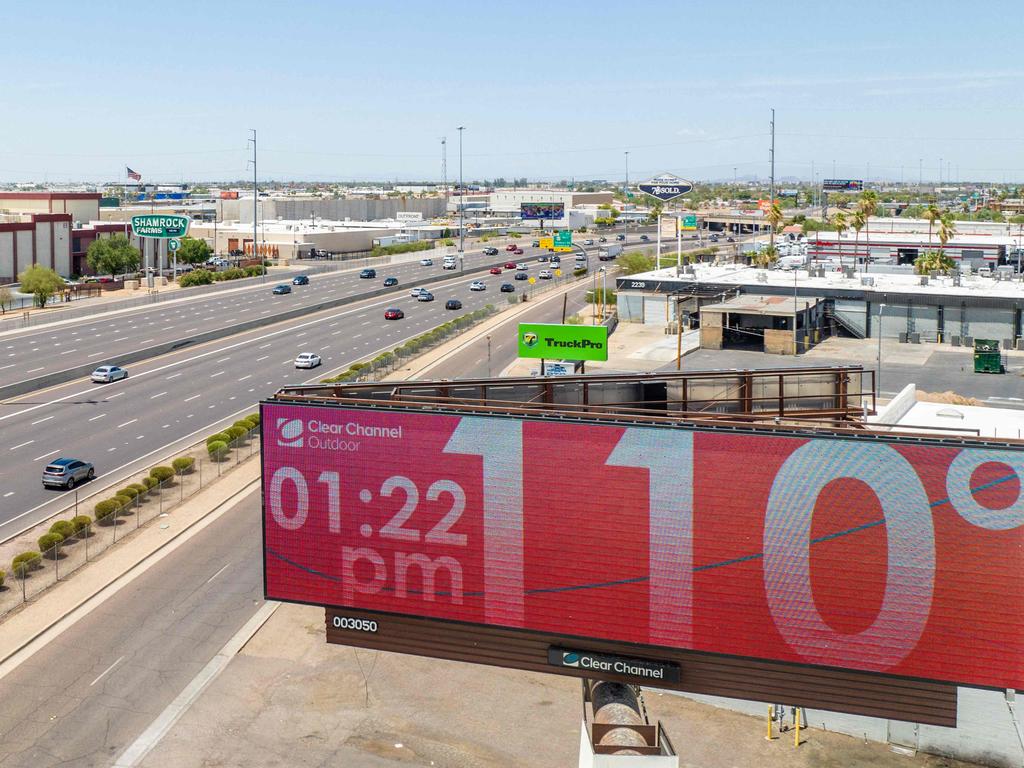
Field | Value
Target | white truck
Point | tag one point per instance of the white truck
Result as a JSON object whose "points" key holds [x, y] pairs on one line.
{"points": [[609, 252]]}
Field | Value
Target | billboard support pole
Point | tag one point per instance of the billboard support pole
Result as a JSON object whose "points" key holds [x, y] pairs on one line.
{"points": [[657, 263], [679, 245]]}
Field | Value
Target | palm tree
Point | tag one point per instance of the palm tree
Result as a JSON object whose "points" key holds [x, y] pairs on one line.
{"points": [[932, 214], [868, 204], [839, 222], [933, 261], [947, 228], [857, 221], [774, 218], [766, 257]]}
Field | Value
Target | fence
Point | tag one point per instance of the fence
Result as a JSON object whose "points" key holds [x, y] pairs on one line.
{"points": [[83, 539]]}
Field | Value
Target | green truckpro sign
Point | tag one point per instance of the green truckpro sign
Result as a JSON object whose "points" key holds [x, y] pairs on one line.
{"points": [[160, 226], [563, 342]]}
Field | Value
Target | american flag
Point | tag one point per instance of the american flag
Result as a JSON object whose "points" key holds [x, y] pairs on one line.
{"points": [[133, 174]]}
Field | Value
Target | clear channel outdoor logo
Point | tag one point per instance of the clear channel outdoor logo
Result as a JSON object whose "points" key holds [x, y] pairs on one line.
{"points": [[530, 339], [570, 659], [289, 433]]}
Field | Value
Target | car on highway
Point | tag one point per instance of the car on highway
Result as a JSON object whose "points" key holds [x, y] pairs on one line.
{"points": [[602, 239], [730, 239], [415, 292], [535, 244], [426, 262], [510, 247], [390, 281], [496, 270], [518, 251], [453, 304], [307, 360], [545, 274], [522, 276], [620, 238], [510, 265], [522, 266], [477, 285], [556, 261], [542, 258], [300, 280], [588, 241], [108, 373], [713, 238], [282, 289], [490, 251], [393, 313], [67, 473], [644, 238], [508, 288], [368, 274], [425, 296]]}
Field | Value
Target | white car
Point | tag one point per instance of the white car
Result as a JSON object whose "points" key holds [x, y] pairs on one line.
{"points": [[415, 292], [108, 373], [522, 266], [476, 285], [545, 274], [426, 262], [308, 360]]}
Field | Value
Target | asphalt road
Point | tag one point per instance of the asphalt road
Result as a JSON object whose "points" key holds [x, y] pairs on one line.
{"points": [[90, 693], [168, 399]]}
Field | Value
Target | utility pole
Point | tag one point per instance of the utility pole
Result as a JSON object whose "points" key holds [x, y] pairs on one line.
{"points": [[444, 169], [462, 208], [771, 186], [255, 207]]}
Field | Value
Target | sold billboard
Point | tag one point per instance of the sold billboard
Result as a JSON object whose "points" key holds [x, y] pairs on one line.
{"points": [[895, 556], [550, 341]]}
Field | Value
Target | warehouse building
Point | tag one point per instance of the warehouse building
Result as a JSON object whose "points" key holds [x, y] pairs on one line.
{"points": [[290, 239], [903, 248]]}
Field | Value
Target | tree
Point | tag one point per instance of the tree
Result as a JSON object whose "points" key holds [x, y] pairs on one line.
{"points": [[813, 225], [6, 299], [868, 205], [765, 257], [632, 263], [42, 282], [932, 214], [857, 221], [193, 251], [947, 228], [839, 222], [933, 261], [774, 217], [113, 255]]}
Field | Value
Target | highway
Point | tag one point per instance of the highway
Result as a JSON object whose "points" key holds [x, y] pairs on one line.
{"points": [[110, 674]]}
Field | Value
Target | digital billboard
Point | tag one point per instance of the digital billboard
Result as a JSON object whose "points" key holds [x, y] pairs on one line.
{"points": [[842, 185], [541, 211], [895, 556]]}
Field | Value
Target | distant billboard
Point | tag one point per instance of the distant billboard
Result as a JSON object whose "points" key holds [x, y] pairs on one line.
{"points": [[895, 557], [541, 211], [842, 185]]}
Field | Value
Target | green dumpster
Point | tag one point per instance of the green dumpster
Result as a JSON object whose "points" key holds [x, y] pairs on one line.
{"points": [[987, 358]]}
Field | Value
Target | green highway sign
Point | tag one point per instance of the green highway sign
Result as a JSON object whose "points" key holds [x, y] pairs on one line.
{"points": [[690, 221], [173, 244], [162, 226], [563, 342], [563, 238]]}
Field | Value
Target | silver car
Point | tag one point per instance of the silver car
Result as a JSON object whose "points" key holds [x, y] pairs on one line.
{"points": [[108, 373], [67, 473]]}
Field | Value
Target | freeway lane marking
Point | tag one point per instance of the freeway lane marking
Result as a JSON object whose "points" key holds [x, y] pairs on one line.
{"points": [[33, 370], [97, 417], [259, 359], [175, 375], [215, 375], [9, 493], [37, 458], [127, 423], [40, 421], [154, 397], [105, 671], [218, 573], [21, 445], [190, 399]]}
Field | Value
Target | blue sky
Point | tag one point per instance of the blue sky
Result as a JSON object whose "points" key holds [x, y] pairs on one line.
{"points": [[365, 90]]}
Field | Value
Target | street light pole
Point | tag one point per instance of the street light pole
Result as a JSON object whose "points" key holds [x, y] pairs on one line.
{"points": [[878, 366], [488, 355], [462, 206]]}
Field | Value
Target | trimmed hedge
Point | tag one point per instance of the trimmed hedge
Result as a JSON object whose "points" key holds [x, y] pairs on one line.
{"points": [[128, 491], [140, 488], [124, 501], [105, 509], [81, 523], [2, 577], [218, 450], [254, 418], [183, 464], [49, 544], [236, 433], [221, 437], [244, 424], [63, 528], [26, 561], [161, 474], [150, 482]]}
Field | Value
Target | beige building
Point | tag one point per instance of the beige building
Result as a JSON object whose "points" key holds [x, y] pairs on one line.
{"points": [[292, 239]]}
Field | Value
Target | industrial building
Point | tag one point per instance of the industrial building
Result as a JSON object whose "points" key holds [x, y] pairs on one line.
{"points": [[292, 239], [903, 248]]}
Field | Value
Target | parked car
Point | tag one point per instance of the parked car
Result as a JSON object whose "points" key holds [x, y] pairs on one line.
{"points": [[522, 265], [508, 288], [522, 276], [453, 304], [368, 274], [108, 373], [281, 289], [393, 313], [390, 281], [307, 360], [510, 247], [477, 285], [67, 473], [300, 280], [425, 296], [545, 274], [426, 262]]}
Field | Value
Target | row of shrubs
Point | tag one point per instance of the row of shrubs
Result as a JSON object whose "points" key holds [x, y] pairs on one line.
{"points": [[159, 477], [219, 445], [413, 345], [386, 250], [205, 276]]}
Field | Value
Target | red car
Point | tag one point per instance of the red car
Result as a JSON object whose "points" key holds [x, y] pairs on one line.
{"points": [[518, 252], [497, 270], [510, 265], [510, 247], [393, 314]]}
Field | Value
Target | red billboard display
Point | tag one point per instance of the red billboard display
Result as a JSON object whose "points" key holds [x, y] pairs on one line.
{"points": [[901, 556]]}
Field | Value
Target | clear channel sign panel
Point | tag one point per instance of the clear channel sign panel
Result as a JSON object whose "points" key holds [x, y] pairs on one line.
{"points": [[896, 557]]}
